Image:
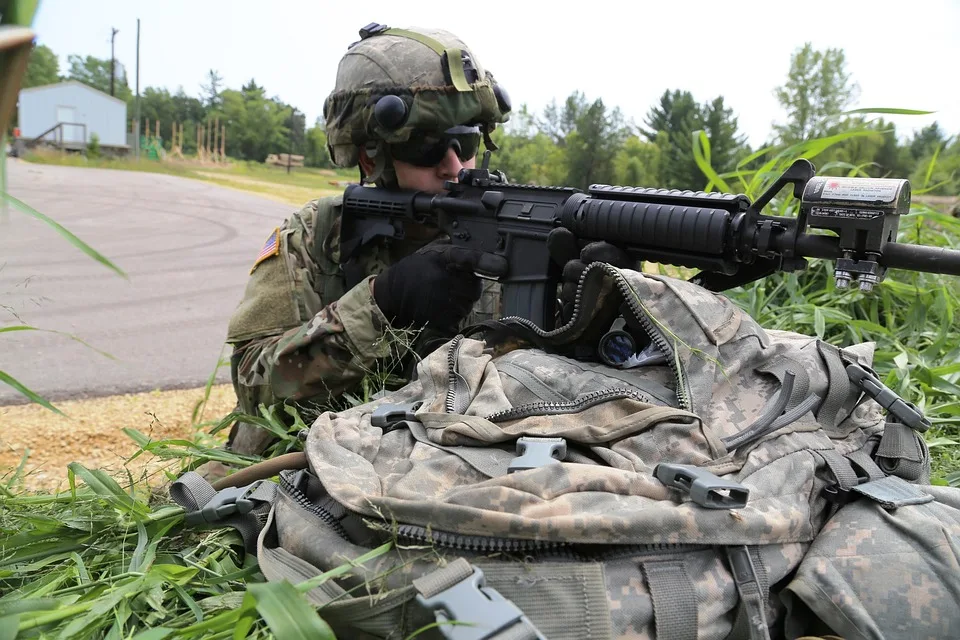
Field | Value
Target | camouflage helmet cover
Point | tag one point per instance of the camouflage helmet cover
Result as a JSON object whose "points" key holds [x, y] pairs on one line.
{"points": [[438, 78]]}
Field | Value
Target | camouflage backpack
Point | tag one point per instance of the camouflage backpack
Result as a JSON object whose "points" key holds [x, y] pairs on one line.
{"points": [[736, 483]]}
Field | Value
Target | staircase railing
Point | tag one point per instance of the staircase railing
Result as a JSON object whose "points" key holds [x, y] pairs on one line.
{"points": [[57, 129]]}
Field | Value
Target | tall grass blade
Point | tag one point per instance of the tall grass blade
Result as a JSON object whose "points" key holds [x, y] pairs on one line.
{"points": [[287, 613], [72, 239], [10, 381]]}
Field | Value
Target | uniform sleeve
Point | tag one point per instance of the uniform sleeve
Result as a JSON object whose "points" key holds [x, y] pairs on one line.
{"points": [[319, 360]]}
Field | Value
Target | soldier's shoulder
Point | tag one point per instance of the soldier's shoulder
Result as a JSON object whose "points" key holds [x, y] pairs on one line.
{"points": [[315, 212]]}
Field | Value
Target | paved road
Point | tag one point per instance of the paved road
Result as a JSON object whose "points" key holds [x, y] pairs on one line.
{"points": [[186, 246]]}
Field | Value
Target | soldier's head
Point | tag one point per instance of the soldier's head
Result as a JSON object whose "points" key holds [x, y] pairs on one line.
{"points": [[411, 107]]}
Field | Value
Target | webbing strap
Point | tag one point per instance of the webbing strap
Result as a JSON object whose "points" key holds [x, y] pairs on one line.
{"points": [[793, 401], [752, 582], [841, 469], [772, 412], [888, 491], [674, 599], [244, 508], [892, 492], [780, 366], [863, 460], [838, 387], [442, 579], [458, 595], [454, 59]]}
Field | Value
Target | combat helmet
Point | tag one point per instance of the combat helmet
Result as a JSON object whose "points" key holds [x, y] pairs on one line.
{"points": [[394, 82]]}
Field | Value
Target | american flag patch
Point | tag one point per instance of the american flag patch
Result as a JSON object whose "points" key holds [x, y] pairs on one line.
{"points": [[270, 248]]}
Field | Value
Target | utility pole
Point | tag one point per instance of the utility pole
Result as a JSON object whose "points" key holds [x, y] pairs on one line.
{"points": [[136, 134], [113, 74]]}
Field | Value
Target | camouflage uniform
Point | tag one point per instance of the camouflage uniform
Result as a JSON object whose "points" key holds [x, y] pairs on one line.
{"points": [[301, 333]]}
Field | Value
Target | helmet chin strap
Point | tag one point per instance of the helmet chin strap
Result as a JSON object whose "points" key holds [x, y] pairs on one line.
{"points": [[383, 174]]}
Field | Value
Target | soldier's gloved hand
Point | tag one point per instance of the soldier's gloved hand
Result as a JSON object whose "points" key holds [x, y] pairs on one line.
{"points": [[435, 286], [562, 245]]}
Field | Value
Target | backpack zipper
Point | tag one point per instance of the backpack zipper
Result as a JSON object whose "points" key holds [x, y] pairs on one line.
{"points": [[582, 402], [456, 385], [305, 503], [683, 398], [416, 534], [543, 549]]}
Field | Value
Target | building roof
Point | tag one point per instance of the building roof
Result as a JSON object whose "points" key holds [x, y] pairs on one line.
{"points": [[73, 82]]}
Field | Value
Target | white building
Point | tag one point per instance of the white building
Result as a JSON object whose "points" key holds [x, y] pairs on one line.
{"points": [[82, 109]]}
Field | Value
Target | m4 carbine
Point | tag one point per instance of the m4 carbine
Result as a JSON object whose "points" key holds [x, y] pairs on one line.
{"points": [[723, 235]]}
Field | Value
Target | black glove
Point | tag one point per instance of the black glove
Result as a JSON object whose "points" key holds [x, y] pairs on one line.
{"points": [[562, 245], [435, 286]]}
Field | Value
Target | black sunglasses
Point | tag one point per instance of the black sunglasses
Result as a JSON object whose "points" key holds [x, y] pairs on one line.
{"points": [[425, 149]]}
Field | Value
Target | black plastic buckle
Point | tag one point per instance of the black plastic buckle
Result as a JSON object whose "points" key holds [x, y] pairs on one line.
{"points": [[372, 29], [227, 502], [387, 415], [906, 412], [477, 611], [705, 488], [835, 494], [535, 452]]}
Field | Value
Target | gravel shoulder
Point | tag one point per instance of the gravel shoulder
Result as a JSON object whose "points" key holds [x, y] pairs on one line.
{"points": [[92, 434]]}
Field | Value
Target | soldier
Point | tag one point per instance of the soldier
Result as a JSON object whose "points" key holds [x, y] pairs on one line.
{"points": [[308, 330]]}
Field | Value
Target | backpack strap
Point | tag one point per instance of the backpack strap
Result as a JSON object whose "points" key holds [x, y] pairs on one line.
{"points": [[457, 594], [753, 585], [243, 508], [674, 599]]}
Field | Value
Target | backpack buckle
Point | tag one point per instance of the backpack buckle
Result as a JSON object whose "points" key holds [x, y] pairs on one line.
{"points": [[536, 452], [906, 412], [226, 503], [705, 488], [469, 610], [387, 415]]}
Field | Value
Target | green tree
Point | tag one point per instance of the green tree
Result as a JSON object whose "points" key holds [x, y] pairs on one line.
{"points": [[530, 160], [316, 153], [95, 72], [597, 135], [296, 125], [727, 144], [526, 153], [43, 67], [188, 111], [671, 124], [637, 163], [878, 155], [926, 141], [818, 87], [257, 125], [212, 91], [559, 122], [157, 105]]}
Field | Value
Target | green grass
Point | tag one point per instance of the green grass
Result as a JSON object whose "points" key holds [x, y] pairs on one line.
{"points": [[105, 561]]}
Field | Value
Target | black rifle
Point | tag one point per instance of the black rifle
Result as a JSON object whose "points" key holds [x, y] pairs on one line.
{"points": [[723, 235]]}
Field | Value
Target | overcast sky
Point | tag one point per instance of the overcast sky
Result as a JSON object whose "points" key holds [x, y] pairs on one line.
{"points": [[901, 54]]}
